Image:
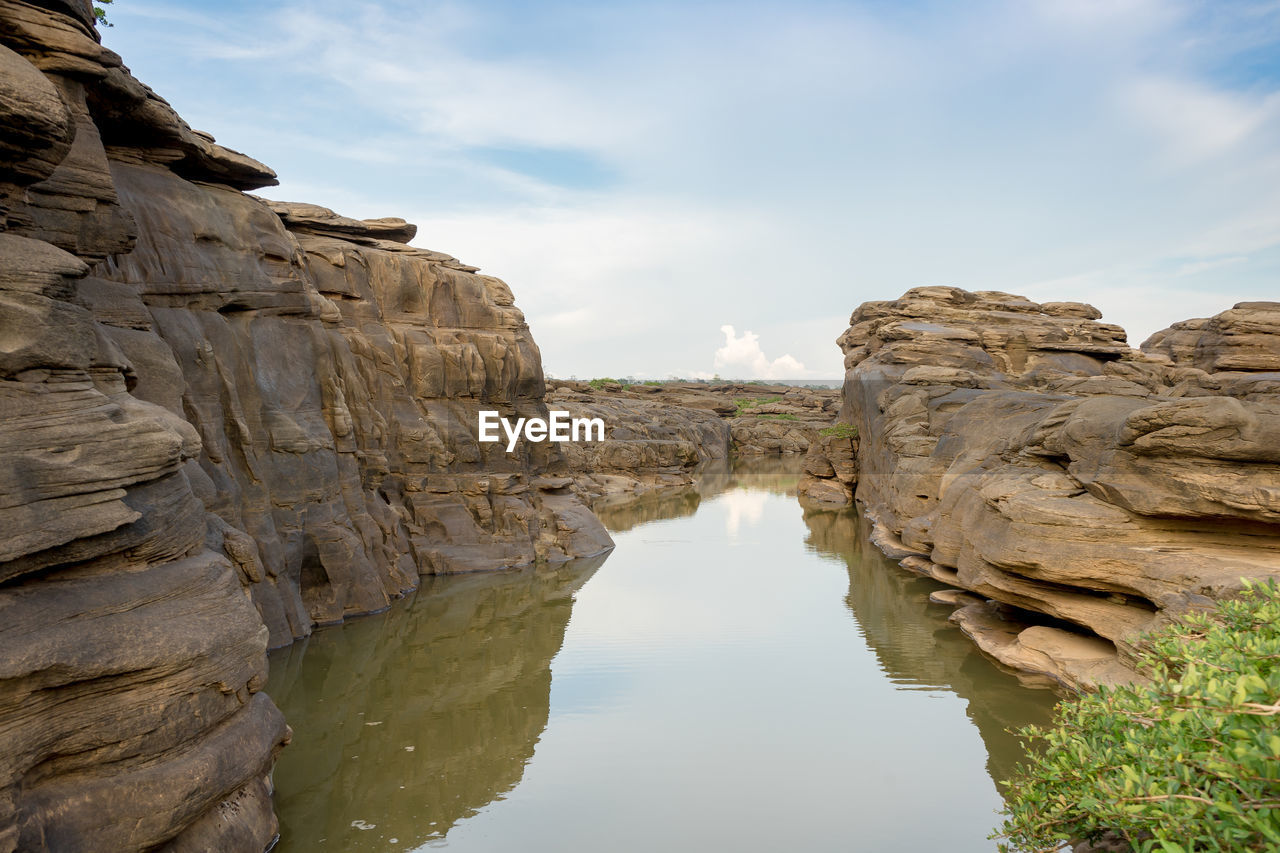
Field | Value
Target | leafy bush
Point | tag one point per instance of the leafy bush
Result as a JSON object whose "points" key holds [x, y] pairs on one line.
{"points": [[1188, 762], [840, 430], [100, 14], [603, 381]]}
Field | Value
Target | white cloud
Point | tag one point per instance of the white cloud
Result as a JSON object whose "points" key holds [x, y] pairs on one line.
{"points": [[788, 161], [1195, 122], [742, 358]]}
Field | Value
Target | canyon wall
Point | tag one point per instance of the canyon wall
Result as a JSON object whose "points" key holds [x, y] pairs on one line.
{"points": [[222, 421], [1085, 491]]}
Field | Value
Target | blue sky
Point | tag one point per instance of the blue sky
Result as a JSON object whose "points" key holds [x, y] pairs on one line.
{"points": [[698, 188]]}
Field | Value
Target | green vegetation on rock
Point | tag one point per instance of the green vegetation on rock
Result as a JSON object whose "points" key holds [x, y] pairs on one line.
{"points": [[1187, 762], [840, 430], [745, 403]]}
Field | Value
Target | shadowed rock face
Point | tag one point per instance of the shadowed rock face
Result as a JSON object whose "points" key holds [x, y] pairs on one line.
{"points": [[335, 384], [1023, 452], [221, 422]]}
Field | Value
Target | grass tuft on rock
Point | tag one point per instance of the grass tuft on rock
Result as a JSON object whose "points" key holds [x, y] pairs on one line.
{"points": [[745, 404], [840, 430], [1187, 762]]}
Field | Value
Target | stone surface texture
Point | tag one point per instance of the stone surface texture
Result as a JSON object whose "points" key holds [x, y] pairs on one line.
{"points": [[663, 435], [222, 421], [1085, 490]]}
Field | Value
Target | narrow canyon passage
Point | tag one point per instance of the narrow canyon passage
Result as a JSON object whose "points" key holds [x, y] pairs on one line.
{"points": [[740, 674]]}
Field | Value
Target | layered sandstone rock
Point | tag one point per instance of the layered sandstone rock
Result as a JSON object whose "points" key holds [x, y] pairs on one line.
{"points": [[663, 435], [650, 443], [335, 379], [222, 421], [131, 659], [1025, 453]]}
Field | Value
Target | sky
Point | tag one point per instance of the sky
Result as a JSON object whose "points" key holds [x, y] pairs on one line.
{"points": [[711, 188]]}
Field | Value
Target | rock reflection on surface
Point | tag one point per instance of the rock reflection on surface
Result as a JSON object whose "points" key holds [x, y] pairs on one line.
{"points": [[917, 647], [743, 674], [408, 721], [777, 474]]}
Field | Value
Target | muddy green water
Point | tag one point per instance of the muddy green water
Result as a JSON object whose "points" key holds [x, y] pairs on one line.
{"points": [[740, 674]]}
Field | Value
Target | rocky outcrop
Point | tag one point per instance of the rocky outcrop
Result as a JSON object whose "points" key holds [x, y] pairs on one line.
{"points": [[223, 421], [831, 465], [649, 443], [132, 660], [1242, 340], [661, 435], [1087, 491], [334, 378]]}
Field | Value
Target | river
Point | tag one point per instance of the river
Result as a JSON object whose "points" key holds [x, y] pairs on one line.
{"points": [[740, 674]]}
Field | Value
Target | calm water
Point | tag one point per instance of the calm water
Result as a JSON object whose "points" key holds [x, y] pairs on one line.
{"points": [[739, 675]]}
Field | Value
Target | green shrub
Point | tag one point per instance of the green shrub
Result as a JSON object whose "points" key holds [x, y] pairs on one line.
{"points": [[840, 430], [1188, 762], [605, 380]]}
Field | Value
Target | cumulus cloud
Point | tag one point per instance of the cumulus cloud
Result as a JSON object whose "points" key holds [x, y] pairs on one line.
{"points": [[742, 358]]}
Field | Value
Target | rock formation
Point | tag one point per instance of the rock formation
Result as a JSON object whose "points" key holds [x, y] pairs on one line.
{"points": [[223, 420], [663, 435], [1084, 490]]}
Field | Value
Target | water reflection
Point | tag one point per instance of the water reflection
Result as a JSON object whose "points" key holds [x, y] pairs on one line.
{"points": [[775, 474], [408, 721], [709, 691], [916, 645]]}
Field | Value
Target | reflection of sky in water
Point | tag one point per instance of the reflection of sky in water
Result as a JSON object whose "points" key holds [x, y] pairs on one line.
{"points": [[741, 505], [712, 692]]}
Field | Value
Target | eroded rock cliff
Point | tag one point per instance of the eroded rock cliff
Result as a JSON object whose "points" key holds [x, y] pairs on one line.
{"points": [[222, 421], [1083, 489]]}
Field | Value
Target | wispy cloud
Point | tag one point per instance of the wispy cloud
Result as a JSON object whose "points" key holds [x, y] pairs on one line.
{"points": [[641, 172]]}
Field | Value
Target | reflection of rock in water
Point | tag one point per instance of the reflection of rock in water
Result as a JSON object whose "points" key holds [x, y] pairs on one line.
{"points": [[917, 646], [622, 515], [778, 474], [411, 721]]}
